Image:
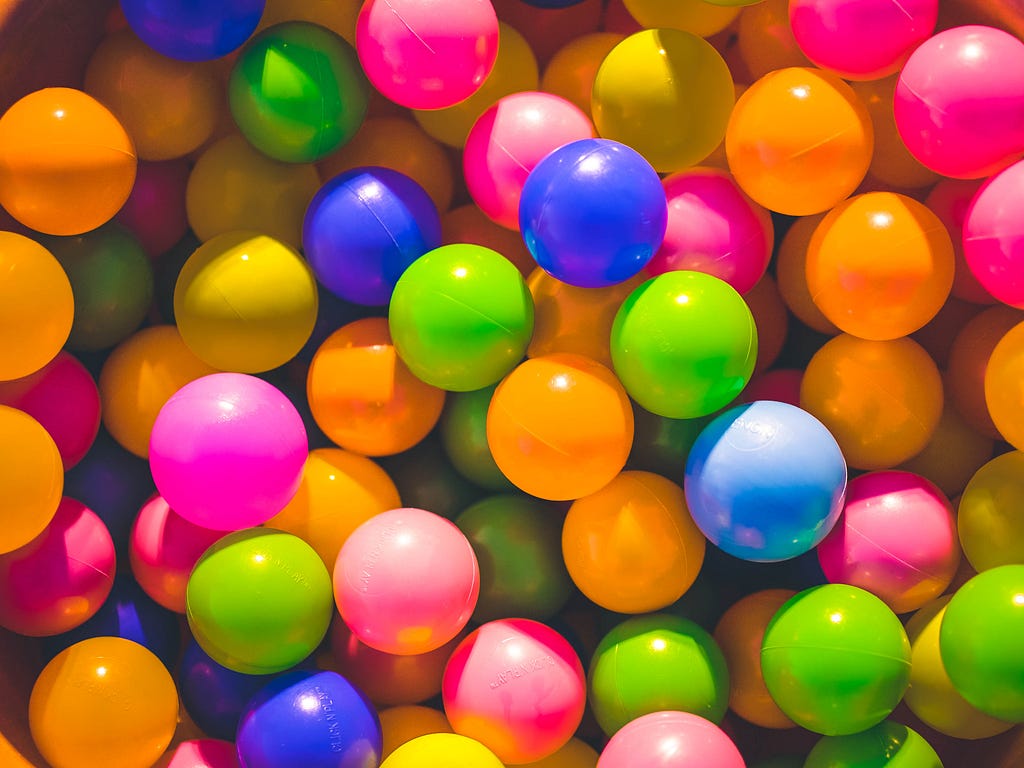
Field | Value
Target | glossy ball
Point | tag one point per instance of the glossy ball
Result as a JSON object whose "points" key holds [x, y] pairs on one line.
{"points": [[463, 429], [990, 529], [886, 744], [155, 210], [189, 31], [953, 455], [571, 71], [32, 476], [400, 725], [468, 224], [991, 248], [1001, 371], [791, 275], [670, 740], [688, 15], [201, 753], [454, 750]]}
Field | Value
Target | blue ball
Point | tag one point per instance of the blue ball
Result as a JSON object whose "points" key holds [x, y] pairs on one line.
{"points": [[765, 481], [309, 719], [593, 213], [363, 228], [193, 30]]}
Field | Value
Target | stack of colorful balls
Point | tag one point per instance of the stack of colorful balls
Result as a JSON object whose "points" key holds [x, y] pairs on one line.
{"points": [[485, 383]]}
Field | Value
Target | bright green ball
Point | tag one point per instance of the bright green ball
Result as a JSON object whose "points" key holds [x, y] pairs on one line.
{"points": [[461, 317], [297, 92], [836, 659], [887, 745], [259, 601], [464, 436], [684, 344]]}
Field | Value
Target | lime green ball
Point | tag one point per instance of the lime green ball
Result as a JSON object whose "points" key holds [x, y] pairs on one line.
{"points": [[654, 663], [684, 344], [464, 436], [259, 601], [836, 659], [297, 92], [886, 745], [461, 317], [980, 642]]}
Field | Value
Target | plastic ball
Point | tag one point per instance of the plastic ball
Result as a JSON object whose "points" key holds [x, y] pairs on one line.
{"points": [[507, 142], [660, 444], [772, 322], [201, 753], [364, 228], [781, 384], [990, 529], [548, 29], [103, 702], [955, 452], [155, 210], [954, 116], [442, 750], [36, 306], [364, 397], [882, 400], [887, 744], [684, 344], [1003, 390], [517, 687], [406, 581], [560, 426], [468, 224], [764, 39], [670, 740], [279, 606], [180, 29], [977, 642], [649, 89], [337, 15], [632, 547], [66, 164], [318, 715], [765, 481], [32, 476], [836, 659], [950, 199], [427, 55], [694, 16], [400, 725], [575, 754], [791, 274], [990, 246], [461, 317], [787, 129], [713, 227], [570, 73], [463, 430]]}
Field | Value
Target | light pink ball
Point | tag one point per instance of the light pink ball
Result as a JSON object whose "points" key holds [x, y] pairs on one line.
{"points": [[406, 581], [994, 236], [201, 753], [506, 143], [949, 200], [713, 227], [227, 451], [670, 740], [959, 102]]}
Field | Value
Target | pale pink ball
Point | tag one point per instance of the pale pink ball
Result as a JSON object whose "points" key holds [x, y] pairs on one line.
{"points": [[670, 740]]}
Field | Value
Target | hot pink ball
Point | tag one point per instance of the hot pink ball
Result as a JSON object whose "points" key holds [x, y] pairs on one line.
{"points": [[959, 102], [155, 210], [427, 54], [62, 396], [713, 227], [896, 538], [60, 578], [508, 140], [406, 581], [227, 451], [670, 740], [517, 687], [163, 549], [781, 385], [950, 200], [993, 237], [201, 753], [861, 39]]}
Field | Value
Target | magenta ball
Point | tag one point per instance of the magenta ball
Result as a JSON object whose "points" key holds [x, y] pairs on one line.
{"points": [[202, 753], [861, 39], [155, 210], [896, 538], [713, 227], [993, 237], [427, 54], [950, 200], [779, 384], [227, 451], [406, 581], [506, 143], [670, 740], [959, 102]]}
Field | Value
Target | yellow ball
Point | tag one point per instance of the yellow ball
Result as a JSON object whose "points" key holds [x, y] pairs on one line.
{"points": [[399, 725], [442, 750], [701, 18], [245, 302], [989, 521], [1004, 386], [571, 72]]}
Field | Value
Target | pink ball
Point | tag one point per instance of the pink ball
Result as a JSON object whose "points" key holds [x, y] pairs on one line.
{"points": [[201, 753], [60, 578], [781, 385], [227, 451], [670, 740], [993, 237], [427, 54], [949, 200], [508, 140], [713, 227], [406, 581], [62, 396], [517, 687], [959, 102], [155, 210], [896, 538], [861, 39], [163, 549]]}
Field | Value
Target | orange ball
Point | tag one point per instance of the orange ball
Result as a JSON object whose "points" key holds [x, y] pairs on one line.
{"points": [[632, 546], [881, 400], [955, 452], [571, 72], [791, 274], [575, 754], [799, 141], [771, 319], [880, 265], [560, 426], [765, 38], [1004, 386], [364, 397], [938, 335], [468, 224], [31, 476], [739, 634], [66, 164], [337, 15], [407, 722]]}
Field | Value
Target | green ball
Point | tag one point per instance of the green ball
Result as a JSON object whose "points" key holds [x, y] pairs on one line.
{"points": [[259, 601], [464, 436], [426, 479], [684, 344], [980, 642], [660, 444], [836, 659], [518, 544], [461, 317], [297, 92], [886, 745], [654, 663]]}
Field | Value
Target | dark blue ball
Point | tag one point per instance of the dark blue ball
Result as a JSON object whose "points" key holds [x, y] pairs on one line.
{"points": [[193, 30]]}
